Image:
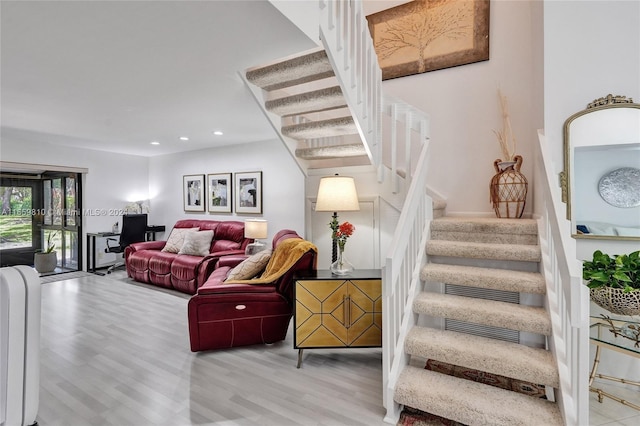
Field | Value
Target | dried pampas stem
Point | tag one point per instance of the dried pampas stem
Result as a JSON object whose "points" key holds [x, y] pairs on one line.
{"points": [[505, 136]]}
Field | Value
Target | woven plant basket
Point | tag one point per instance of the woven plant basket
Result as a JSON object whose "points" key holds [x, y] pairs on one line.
{"points": [[616, 301]]}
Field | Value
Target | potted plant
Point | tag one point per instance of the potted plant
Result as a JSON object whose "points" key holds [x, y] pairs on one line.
{"points": [[614, 281], [46, 260]]}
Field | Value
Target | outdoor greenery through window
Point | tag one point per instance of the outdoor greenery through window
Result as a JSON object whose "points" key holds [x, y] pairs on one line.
{"points": [[15, 220]]}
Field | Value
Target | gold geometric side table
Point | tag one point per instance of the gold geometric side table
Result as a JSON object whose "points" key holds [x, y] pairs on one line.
{"points": [[616, 335], [333, 311]]}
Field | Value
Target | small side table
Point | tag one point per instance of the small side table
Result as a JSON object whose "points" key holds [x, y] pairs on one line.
{"points": [[610, 334], [332, 311]]}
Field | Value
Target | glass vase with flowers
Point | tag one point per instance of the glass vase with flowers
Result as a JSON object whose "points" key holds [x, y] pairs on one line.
{"points": [[341, 233]]}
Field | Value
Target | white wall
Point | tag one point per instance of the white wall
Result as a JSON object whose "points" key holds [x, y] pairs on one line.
{"points": [[283, 183], [464, 109], [591, 49]]}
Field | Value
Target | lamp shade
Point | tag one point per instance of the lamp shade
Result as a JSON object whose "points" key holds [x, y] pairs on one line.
{"points": [[255, 228], [337, 194]]}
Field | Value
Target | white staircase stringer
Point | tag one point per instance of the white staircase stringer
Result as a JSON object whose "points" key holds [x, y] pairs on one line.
{"points": [[344, 33], [567, 296], [276, 122], [404, 260]]}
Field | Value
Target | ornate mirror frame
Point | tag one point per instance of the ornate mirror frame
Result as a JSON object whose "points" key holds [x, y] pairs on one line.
{"points": [[615, 183]]}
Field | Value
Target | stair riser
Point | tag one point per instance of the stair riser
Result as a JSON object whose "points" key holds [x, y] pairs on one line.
{"points": [[486, 263], [478, 237]]}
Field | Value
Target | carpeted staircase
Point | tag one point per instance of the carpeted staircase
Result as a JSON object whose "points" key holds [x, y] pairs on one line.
{"points": [[303, 91], [477, 258]]}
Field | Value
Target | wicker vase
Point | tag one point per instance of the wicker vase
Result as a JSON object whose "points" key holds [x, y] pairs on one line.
{"points": [[508, 188], [616, 301]]}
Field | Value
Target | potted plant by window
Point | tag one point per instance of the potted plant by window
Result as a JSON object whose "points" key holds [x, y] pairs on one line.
{"points": [[614, 281], [46, 260]]}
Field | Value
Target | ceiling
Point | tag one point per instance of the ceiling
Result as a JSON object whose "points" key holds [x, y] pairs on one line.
{"points": [[117, 75]]}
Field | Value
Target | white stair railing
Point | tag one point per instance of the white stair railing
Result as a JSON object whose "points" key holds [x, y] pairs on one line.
{"points": [[344, 34], [405, 258], [567, 296]]}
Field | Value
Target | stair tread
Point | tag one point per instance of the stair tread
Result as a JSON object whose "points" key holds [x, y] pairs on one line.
{"points": [[497, 279], [521, 252], [525, 363], [292, 71], [485, 224], [334, 151], [314, 101], [323, 128], [486, 312], [470, 402]]}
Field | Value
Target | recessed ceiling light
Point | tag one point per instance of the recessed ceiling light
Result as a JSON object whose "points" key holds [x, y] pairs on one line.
{"points": [[218, 133], [184, 138], [155, 143]]}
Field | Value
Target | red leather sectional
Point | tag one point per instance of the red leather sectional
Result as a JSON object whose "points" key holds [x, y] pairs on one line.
{"points": [[228, 315], [148, 264]]}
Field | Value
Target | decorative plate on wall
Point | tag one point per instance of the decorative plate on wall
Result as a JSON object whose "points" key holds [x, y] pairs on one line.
{"points": [[621, 187]]}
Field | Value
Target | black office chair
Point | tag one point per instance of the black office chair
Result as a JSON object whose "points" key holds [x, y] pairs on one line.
{"points": [[134, 229]]}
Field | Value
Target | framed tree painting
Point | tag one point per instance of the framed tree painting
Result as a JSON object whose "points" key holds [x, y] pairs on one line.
{"points": [[428, 35], [193, 193], [248, 192], [219, 192]]}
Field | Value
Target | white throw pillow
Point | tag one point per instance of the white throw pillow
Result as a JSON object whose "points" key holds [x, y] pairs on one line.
{"points": [[176, 239], [251, 266], [197, 243]]}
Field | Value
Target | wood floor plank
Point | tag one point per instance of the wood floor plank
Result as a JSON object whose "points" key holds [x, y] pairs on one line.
{"points": [[115, 352]]}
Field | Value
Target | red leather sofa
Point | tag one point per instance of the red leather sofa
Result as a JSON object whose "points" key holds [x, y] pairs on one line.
{"points": [[147, 263], [225, 315]]}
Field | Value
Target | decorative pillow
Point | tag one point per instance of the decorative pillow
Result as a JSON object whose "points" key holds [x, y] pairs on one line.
{"points": [[251, 266], [176, 239], [197, 243]]}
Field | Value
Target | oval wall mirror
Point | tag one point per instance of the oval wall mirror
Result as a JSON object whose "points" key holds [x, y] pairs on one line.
{"points": [[601, 177]]}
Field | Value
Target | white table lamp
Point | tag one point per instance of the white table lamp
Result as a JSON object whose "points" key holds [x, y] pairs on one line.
{"points": [[256, 229]]}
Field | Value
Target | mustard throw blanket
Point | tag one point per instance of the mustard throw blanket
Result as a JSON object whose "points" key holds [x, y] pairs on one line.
{"points": [[286, 254]]}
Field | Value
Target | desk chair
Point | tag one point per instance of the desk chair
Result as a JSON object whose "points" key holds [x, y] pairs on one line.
{"points": [[134, 229]]}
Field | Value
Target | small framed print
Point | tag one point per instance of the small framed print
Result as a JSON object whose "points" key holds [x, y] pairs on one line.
{"points": [[248, 192], [219, 192], [193, 193]]}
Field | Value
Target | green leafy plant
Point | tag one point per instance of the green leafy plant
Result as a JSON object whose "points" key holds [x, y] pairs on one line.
{"points": [[51, 245], [617, 271]]}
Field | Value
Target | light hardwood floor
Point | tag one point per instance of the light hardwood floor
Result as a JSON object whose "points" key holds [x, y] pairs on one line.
{"points": [[115, 352]]}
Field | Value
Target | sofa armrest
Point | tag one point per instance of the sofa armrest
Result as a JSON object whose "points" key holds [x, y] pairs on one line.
{"points": [[210, 262], [222, 288], [147, 245], [232, 260]]}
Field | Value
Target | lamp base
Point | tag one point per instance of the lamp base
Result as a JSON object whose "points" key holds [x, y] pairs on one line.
{"points": [[254, 247]]}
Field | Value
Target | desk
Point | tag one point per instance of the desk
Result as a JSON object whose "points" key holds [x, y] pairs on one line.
{"points": [[337, 311], [91, 243], [616, 335]]}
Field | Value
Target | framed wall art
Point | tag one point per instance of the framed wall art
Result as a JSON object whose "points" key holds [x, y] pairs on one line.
{"points": [[193, 193], [428, 35], [219, 192], [248, 192]]}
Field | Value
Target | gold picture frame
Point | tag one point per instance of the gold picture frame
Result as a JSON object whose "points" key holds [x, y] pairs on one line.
{"points": [[428, 35]]}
